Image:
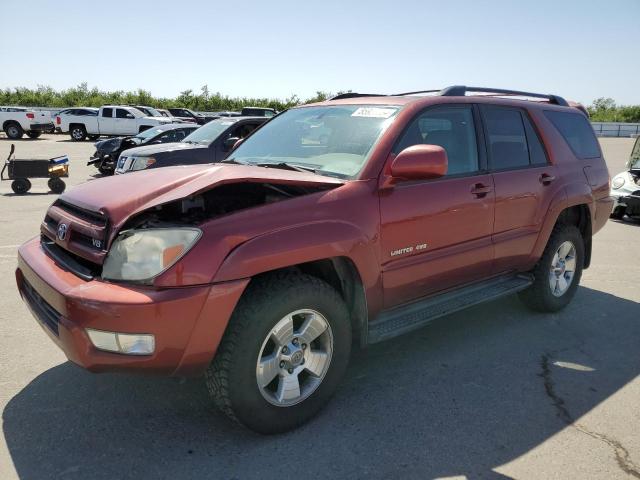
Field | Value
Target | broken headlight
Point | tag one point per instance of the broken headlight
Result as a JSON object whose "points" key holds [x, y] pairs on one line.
{"points": [[140, 255]]}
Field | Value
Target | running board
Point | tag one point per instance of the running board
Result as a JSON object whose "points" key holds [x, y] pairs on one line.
{"points": [[406, 318]]}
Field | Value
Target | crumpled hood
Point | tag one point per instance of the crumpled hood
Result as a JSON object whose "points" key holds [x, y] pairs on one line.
{"points": [[147, 150], [122, 196], [110, 144]]}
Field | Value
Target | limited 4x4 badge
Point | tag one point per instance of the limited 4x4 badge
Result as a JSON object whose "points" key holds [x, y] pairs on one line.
{"points": [[402, 251]]}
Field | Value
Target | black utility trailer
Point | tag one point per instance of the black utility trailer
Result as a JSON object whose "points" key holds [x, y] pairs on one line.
{"points": [[20, 171]]}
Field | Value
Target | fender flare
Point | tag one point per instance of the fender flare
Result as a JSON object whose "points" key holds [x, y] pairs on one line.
{"points": [[570, 196], [299, 244]]}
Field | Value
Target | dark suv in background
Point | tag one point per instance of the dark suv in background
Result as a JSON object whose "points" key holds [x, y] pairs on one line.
{"points": [[209, 143]]}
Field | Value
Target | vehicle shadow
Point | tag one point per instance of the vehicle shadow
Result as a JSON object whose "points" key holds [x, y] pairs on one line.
{"points": [[462, 396], [12, 194], [626, 221]]}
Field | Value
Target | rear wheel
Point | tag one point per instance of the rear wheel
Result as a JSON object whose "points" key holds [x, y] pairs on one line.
{"points": [[14, 131], [56, 185], [283, 354], [78, 133], [558, 272], [33, 134], [20, 186]]}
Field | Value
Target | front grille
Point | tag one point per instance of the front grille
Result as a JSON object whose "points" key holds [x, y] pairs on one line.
{"points": [[44, 312], [80, 246]]}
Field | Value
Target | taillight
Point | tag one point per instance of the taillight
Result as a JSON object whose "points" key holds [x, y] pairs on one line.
{"points": [[31, 115], [58, 121]]}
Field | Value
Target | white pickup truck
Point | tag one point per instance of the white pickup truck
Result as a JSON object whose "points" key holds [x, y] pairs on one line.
{"points": [[112, 120], [16, 121]]}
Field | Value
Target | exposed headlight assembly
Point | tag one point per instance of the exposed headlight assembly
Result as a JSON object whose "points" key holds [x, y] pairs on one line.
{"points": [[140, 163], [141, 255], [618, 182]]}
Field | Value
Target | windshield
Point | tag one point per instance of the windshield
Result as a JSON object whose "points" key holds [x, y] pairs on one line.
{"points": [[634, 159], [148, 133], [334, 140], [153, 112], [206, 134]]}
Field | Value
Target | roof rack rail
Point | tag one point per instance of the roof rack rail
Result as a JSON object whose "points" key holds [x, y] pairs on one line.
{"points": [[355, 95], [413, 93], [461, 90]]}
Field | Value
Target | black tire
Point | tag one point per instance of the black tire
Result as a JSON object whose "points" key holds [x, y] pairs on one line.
{"points": [[539, 296], [231, 378], [105, 170], [14, 131], [618, 213], [78, 133], [33, 134], [20, 186], [56, 185], [93, 137]]}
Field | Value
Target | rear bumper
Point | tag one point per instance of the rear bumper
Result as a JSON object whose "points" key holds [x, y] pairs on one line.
{"points": [[188, 323], [42, 127]]}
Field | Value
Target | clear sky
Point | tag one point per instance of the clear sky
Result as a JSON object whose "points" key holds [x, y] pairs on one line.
{"points": [[580, 49]]}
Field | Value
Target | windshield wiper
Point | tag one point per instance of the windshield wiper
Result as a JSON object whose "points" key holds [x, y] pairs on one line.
{"points": [[287, 166], [232, 160]]}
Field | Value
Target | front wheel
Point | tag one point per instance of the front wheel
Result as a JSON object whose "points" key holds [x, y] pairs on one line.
{"points": [[558, 272], [283, 354]]}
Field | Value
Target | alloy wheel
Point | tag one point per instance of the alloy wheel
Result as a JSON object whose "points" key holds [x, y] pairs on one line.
{"points": [[563, 267], [294, 358]]}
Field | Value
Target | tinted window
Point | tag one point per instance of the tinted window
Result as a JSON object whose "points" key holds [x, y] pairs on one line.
{"points": [[453, 129], [577, 131], [107, 112], [537, 155], [506, 140], [121, 113]]}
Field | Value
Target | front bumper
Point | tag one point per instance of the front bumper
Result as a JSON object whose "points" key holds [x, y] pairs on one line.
{"points": [[188, 323]]}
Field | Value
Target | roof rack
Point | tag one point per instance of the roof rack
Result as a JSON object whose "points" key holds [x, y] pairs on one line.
{"points": [[461, 90], [355, 95]]}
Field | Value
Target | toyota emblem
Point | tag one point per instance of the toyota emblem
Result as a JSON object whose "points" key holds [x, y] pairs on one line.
{"points": [[62, 231]]}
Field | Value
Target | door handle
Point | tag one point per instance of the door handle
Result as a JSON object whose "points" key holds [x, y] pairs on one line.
{"points": [[546, 179], [480, 189]]}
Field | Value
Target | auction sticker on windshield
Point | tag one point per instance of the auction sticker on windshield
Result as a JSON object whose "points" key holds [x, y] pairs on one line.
{"points": [[374, 112]]}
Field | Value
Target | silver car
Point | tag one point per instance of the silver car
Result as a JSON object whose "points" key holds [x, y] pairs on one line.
{"points": [[625, 187]]}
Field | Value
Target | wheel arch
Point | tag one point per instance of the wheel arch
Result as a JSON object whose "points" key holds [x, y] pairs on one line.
{"points": [[336, 252]]}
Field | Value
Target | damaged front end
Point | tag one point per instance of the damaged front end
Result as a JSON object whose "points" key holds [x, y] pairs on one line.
{"points": [[625, 189], [136, 238], [107, 152]]}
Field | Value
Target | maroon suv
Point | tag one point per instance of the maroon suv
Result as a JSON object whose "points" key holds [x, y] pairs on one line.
{"points": [[359, 218]]}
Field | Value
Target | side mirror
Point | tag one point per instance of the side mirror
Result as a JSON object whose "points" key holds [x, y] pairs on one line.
{"points": [[420, 162], [230, 143]]}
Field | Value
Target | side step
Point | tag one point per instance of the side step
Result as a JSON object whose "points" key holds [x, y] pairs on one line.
{"points": [[406, 318]]}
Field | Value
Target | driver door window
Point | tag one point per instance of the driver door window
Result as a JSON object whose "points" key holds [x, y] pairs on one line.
{"points": [[451, 128]]}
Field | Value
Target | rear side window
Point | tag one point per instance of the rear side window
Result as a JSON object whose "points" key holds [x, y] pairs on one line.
{"points": [[506, 138], [577, 131], [107, 112], [537, 155]]}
